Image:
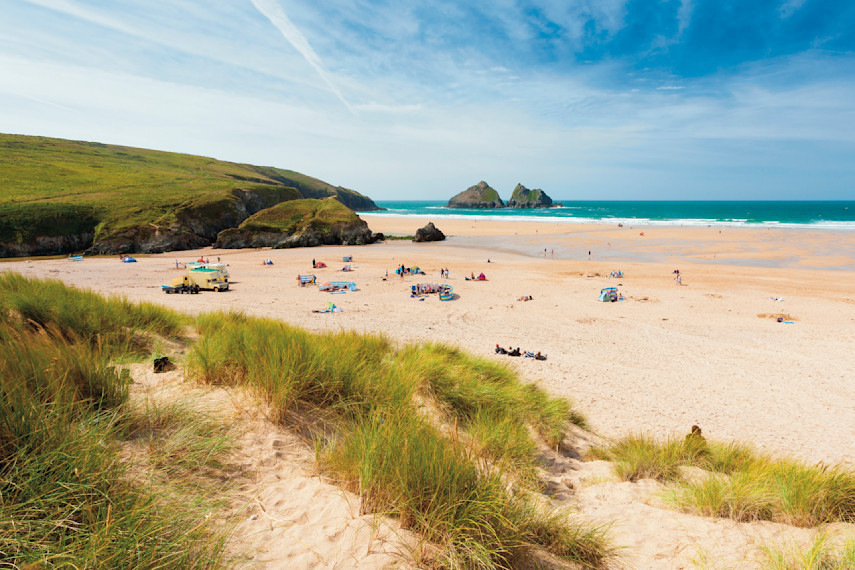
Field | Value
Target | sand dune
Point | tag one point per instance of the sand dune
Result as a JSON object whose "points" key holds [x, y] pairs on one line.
{"points": [[707, 352]]}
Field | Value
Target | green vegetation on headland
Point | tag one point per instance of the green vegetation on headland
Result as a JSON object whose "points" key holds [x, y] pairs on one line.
{"points": [[60, 196], [299, 223]]}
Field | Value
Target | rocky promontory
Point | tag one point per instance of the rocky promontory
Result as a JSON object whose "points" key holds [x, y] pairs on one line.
{"points": [[522, 197], [299, 223], [479, 196], [60, 197], [482, 195]]}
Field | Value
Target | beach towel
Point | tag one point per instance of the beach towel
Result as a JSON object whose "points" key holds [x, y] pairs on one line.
{"points": [[331, 308]]}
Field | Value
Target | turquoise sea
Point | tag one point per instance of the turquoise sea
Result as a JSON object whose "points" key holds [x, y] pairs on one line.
{"points": [[829, 215]]}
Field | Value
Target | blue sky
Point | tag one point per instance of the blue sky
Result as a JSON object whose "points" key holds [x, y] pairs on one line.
{"points": [[593, 99]]}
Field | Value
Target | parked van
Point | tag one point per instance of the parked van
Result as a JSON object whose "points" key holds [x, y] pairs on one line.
{"points": [[204, 278]]}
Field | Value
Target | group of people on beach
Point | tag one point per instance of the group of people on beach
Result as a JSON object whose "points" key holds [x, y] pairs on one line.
{"points": [[510, 351]]}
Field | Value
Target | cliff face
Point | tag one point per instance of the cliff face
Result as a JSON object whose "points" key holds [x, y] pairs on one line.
{"points": [[479, 196], [194, 226], [59, 196], [299, 223], [522, 197]]}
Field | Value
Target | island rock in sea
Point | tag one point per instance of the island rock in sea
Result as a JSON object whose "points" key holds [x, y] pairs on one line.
{"points": [[479, 196], [525, 198], [429, 233]]}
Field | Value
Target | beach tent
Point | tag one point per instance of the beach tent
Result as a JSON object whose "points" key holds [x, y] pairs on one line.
{"points": [[128, 259], [481, 277], [609, 295], [347, 258]]}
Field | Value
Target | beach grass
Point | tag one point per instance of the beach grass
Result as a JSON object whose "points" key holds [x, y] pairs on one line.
{"points": [[743, 484], [86, 476], [74, 313], [822, 554], [451, 487], [66, 498]]}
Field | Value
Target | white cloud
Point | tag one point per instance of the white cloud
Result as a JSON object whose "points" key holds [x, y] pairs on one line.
{"points": [[273, 12]]}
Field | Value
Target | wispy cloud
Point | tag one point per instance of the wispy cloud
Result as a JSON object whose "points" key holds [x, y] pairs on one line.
{"points": [[277, 16], [633, 99]]}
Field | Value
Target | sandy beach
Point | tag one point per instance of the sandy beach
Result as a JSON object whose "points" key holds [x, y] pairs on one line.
{"points": [[709, 351]]}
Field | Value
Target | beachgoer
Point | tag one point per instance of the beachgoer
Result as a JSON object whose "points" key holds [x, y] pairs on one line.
{"points": [[313, 263]]}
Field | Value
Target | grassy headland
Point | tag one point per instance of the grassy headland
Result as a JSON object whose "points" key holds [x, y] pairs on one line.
{"points": [[54, 188]]}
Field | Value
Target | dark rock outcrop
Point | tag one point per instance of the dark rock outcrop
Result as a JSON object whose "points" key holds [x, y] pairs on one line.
{"points": [[479, 196], [522, 197], [47, 245], [429, 233]]}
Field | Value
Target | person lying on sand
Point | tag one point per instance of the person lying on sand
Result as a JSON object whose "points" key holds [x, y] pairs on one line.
{"points": [[539, 356], [515, 352], [500, 350]]}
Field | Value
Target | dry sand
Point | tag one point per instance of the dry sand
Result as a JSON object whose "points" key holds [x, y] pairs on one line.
{"points": [[707, 352]]}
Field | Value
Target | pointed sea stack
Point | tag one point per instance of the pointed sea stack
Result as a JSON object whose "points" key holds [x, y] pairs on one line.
{"points": [[479, 196], [525, 198]]}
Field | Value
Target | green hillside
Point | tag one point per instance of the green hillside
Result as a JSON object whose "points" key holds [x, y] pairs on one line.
{"points": [[50, 188], [300, 215]]}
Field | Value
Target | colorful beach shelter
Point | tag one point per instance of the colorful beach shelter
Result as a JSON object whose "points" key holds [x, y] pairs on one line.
{"points": [[609, 295]]}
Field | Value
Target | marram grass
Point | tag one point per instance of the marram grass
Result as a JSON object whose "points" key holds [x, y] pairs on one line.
{"points": [[379, 444], [743, 485], [65, 498], [822, 554]]}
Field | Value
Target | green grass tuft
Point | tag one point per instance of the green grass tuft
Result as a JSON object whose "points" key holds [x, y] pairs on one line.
{"points": [[744, 485]]}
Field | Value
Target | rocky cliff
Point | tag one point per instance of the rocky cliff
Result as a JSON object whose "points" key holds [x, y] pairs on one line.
{"points": [[479, 196], [60, 196], [194, 225], [522, 197]]}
